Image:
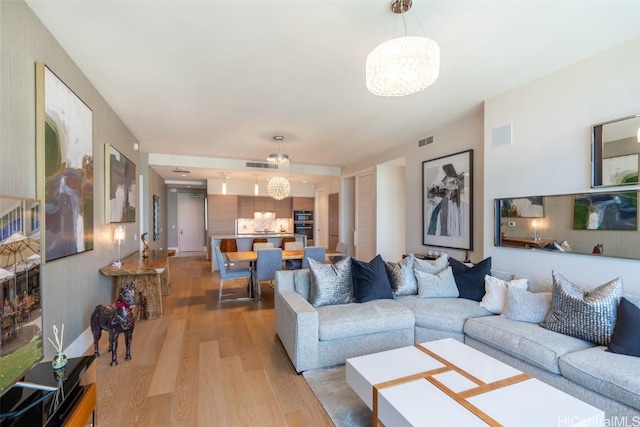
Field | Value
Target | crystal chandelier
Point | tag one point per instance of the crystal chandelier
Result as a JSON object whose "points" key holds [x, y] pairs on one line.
{"points": [[278, 186], [403, 65]]}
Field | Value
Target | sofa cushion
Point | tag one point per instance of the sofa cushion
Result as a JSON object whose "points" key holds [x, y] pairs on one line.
{"points": [[302, 282], [626, 335], [604, 372], [401, 276], [443, 314], [349, 320], [495, 292], [525, 306], [431, 267], [441, 285], [470, 280], [589, 314], [526, 341], [370, 280], [330, 283]]}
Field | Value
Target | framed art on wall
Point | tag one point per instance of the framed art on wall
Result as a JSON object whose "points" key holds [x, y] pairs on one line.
{"points": [[156, 217], [120, 186], [447, 201], [64, 153]]}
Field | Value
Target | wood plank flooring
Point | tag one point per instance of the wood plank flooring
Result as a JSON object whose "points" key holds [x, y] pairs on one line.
{"points": [[205, 364]]}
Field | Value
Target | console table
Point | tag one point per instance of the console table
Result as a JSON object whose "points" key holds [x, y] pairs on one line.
{"points": [[151, 278], [72, 405]]}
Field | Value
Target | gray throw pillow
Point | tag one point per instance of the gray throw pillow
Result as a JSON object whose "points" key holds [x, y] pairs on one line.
{"points": [[589, 314], [441, 285], [431, 267], [524, 306], [330, 283], [401, 276]]}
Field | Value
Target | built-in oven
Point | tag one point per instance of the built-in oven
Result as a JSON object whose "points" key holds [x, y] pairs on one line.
{"points": [[302, 216], [304, 229]]}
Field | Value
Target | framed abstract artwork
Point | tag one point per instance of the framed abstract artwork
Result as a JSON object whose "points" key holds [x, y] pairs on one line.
{"points": [[156, 217], [447, 201], [606, 211], [120, 186], [64, 153]]}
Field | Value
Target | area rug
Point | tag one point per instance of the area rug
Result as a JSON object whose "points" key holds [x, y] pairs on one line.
{"points": [[342, 404]]}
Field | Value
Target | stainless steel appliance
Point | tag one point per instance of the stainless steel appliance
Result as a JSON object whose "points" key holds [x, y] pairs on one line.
{"points": [[302, 216], [303, 224]]}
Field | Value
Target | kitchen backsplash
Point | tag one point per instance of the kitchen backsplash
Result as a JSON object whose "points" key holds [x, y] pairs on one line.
{"points": [[253, 225]]}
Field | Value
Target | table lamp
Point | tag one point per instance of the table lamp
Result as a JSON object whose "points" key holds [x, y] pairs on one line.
{"points": [[119, 236]]}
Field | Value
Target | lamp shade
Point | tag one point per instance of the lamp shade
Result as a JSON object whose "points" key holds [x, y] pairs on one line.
{"points": [[119, 234], [402, 66]]}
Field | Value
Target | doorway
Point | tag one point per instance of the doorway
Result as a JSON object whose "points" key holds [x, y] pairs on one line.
{"points": [[190, 222], [320, 219]]}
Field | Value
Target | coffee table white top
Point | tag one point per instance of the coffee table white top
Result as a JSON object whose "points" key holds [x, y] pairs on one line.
{"points": [[445, 382]]}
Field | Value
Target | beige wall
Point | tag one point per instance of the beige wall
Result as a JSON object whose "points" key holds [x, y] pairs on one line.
{"points": [[72, 286]]}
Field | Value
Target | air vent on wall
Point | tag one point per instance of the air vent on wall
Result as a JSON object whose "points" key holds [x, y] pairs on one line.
{"points": [[180, 170], [425, 141], [260, 165]]}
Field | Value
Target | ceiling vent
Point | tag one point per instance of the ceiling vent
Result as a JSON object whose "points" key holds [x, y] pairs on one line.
{"points": [[425, 141], [180, 170], [261, 165]]}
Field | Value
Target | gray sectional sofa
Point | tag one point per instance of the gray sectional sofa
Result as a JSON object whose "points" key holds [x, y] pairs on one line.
{"points": [[316, 337]]}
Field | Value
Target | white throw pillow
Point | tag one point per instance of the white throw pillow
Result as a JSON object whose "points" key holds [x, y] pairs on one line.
{"points": [[495, 295], [432, 267], [441, 285]]}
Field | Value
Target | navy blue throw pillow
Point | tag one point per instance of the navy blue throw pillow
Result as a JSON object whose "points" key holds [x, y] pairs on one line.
{"points": [[470, 280], [626, 335], [370, 280]]}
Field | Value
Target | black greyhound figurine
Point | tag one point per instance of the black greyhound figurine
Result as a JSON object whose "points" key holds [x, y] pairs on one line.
{"points": [[115, 319]]}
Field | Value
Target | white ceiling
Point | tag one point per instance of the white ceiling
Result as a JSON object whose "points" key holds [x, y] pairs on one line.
{"points": [[200, 81]]}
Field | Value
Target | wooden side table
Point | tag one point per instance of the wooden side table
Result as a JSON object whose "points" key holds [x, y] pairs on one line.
{"points": [[151, 278]]}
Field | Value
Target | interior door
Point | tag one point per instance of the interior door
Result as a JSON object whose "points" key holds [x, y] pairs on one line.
{"points": [[364, 238], [190, 222], [334, 219]]}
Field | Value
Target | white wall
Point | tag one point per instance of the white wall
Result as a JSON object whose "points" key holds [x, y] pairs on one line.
{"points": [[246, 188], [467, 134], [551, 152], [390, 211]]}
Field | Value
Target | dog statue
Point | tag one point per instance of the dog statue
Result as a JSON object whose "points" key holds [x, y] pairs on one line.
{"points": [[115, 319]]}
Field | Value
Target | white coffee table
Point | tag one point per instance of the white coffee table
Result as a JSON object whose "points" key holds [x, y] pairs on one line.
{"points": [[446, 382]]}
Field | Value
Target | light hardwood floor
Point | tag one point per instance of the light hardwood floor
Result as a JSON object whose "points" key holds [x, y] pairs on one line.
{"points": [[205, 364]]}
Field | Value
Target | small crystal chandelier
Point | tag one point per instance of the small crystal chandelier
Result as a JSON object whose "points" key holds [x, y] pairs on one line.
{"points": [[278, 186], [403, 65]]}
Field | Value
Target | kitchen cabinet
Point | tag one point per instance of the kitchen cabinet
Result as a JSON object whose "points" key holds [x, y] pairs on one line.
{"points": [[303, 203], [246, 206], [283, 208], [222, 213]]}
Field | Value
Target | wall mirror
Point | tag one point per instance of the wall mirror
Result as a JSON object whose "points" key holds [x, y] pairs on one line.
{"points": [[603, 223], [616, 152]]}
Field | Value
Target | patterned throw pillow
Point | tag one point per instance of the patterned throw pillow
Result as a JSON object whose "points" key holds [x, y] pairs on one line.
{"points": [[441, 285], [495, 295], [330, 283], [401, 276], [525, 306], [589, 314], [432, 267]]}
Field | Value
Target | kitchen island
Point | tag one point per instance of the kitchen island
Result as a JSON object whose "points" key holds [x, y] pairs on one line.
{"points": [[245, 241]]}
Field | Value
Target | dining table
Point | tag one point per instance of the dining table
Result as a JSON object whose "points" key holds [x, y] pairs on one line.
{"points": [[252, 256]]}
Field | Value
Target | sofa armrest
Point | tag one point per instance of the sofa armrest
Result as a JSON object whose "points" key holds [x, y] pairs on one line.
{"points": [[297, 327]]}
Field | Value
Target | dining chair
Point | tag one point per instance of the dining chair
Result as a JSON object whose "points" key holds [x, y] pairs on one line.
{"points": [[313, 252], [340, 247], [269, 261], [262, 245], [293, 246], [230, 273]]}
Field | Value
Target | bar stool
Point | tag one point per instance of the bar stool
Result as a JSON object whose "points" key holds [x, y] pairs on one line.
{"points": [[228, 245], [259, 240], [286, 240]]}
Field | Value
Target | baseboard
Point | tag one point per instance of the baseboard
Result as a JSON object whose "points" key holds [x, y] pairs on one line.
{"points": [[175, 248]]}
